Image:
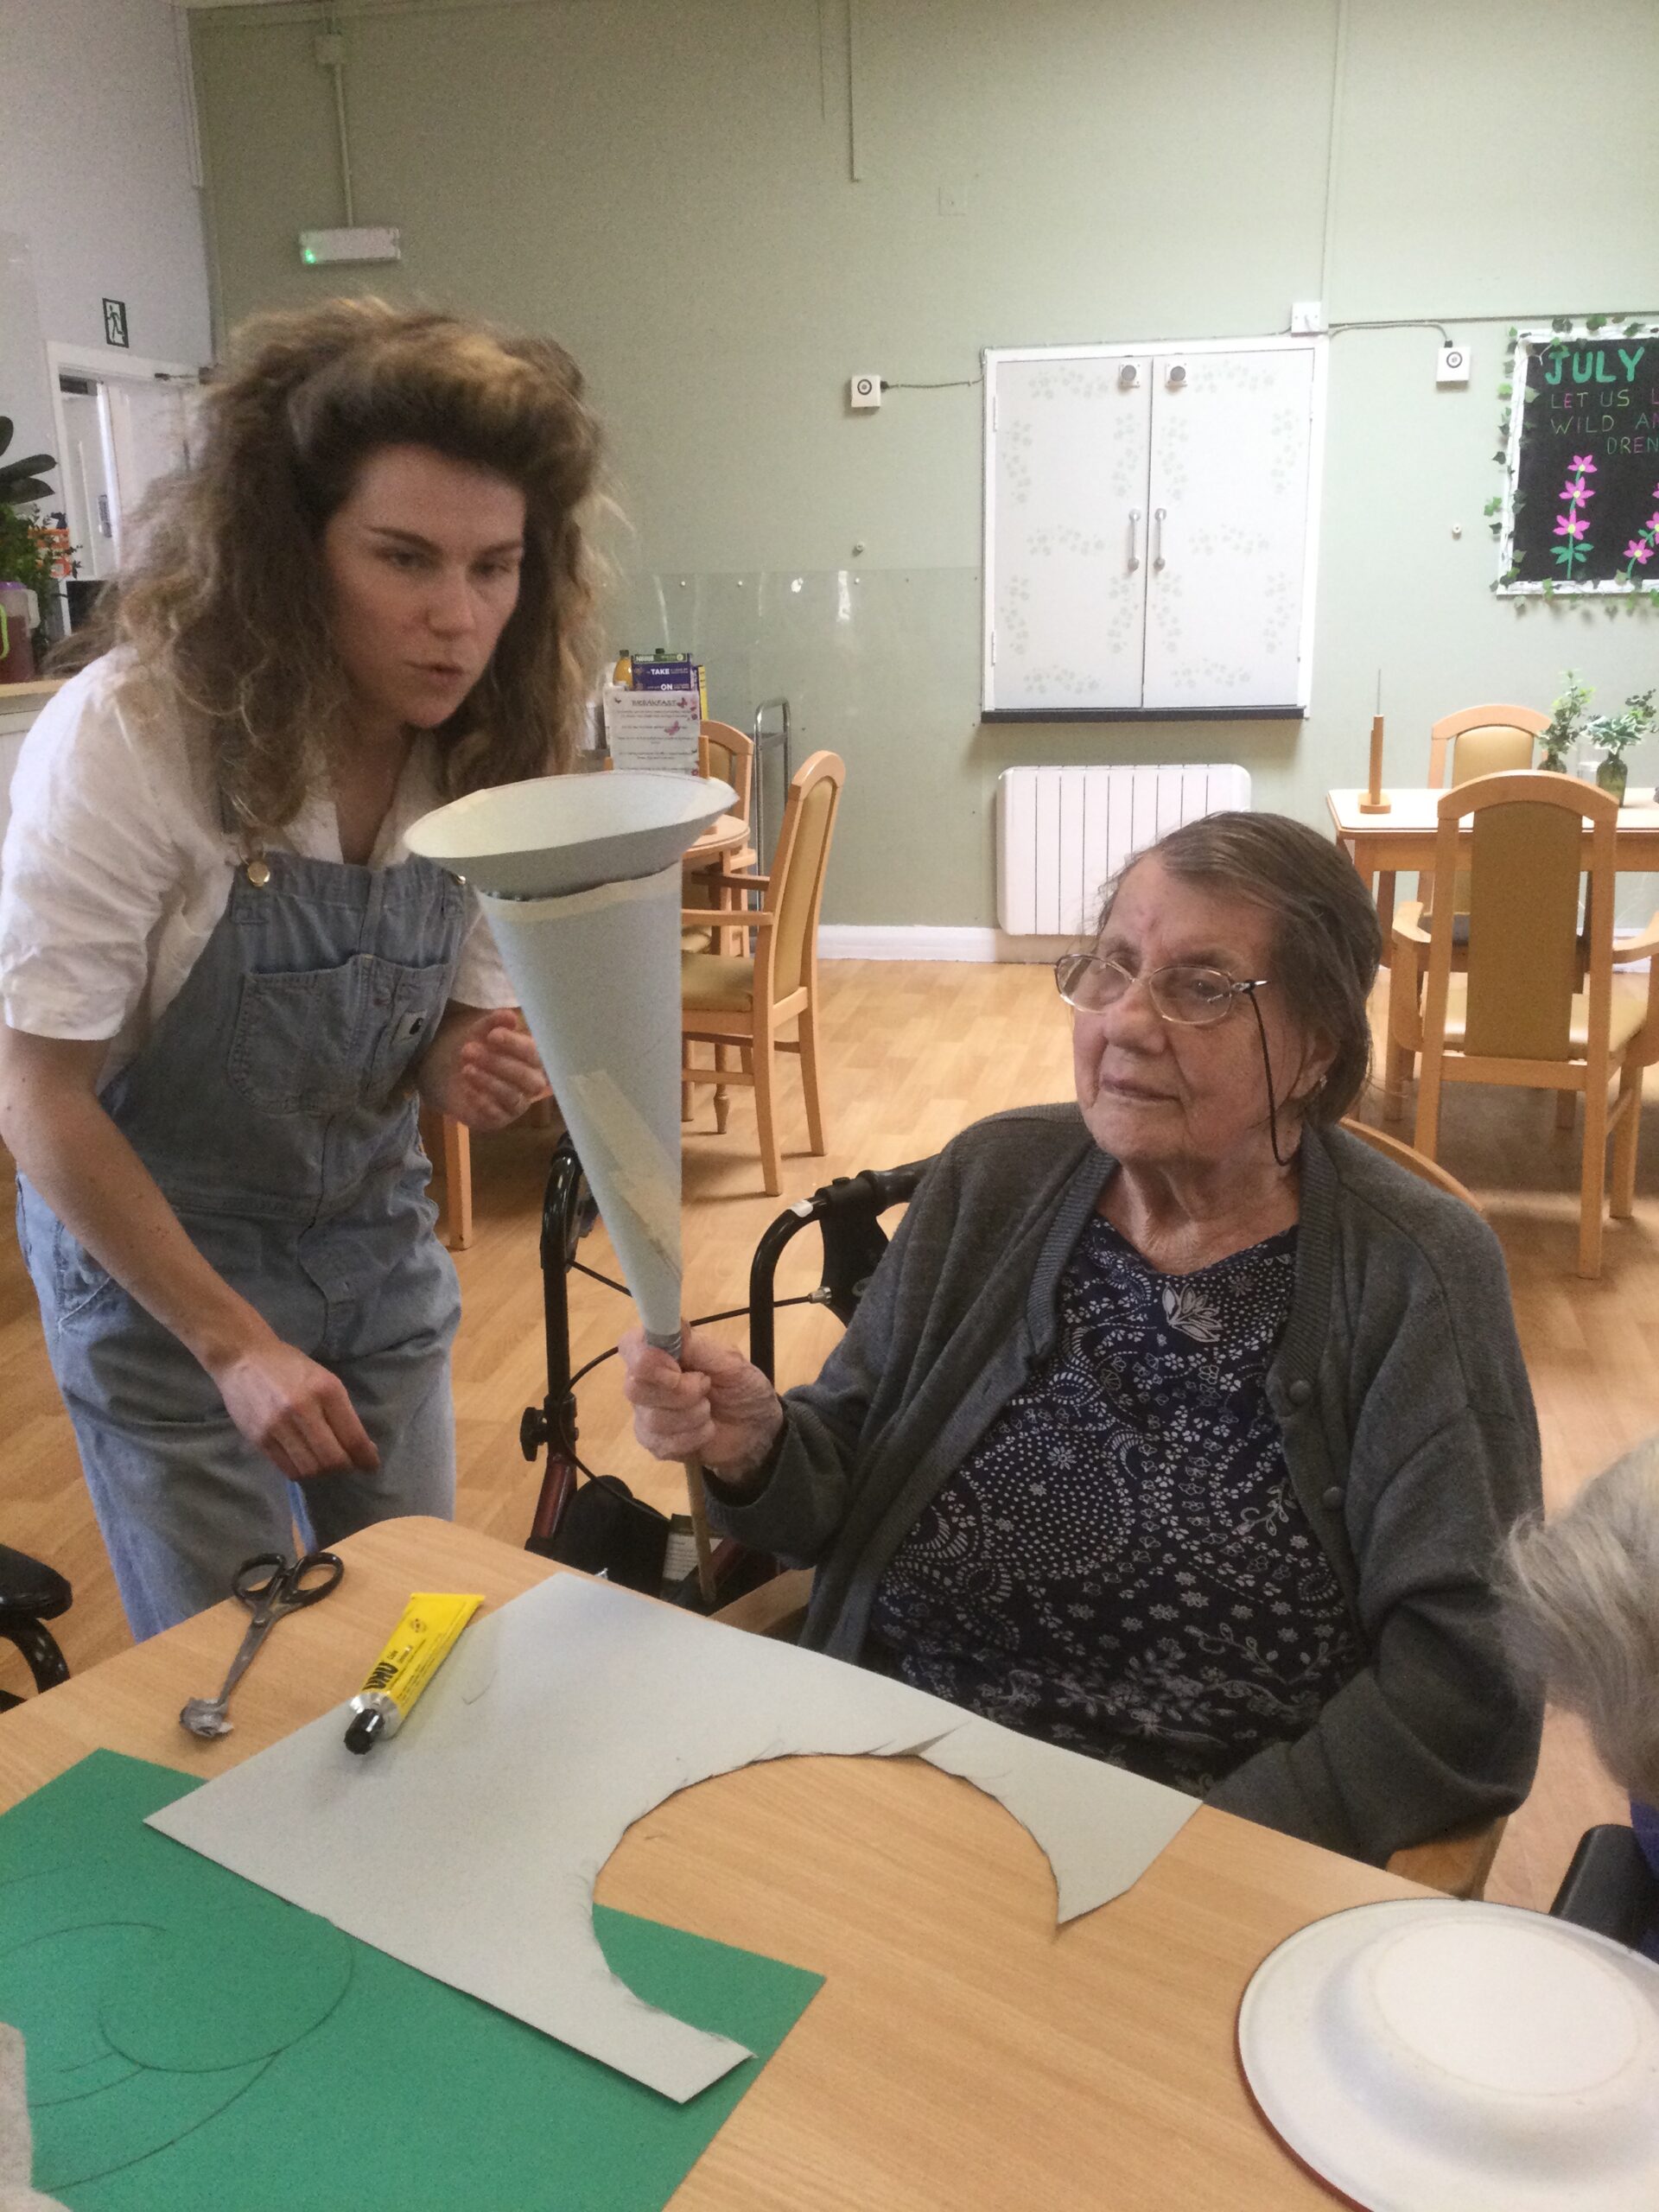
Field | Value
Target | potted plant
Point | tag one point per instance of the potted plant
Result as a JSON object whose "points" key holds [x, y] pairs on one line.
{"points": [[29, 554], [1616, 735], [1561, 741]]}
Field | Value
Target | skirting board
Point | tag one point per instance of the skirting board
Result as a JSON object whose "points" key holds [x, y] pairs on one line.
{"points": [[884, 941]]}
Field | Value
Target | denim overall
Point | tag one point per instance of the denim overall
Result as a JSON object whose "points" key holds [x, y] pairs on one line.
{"points": [[267, 1102]]}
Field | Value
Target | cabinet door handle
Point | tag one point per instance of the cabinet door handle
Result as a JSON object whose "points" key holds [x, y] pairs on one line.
{"points": [[1135, 539], [1158, 514]]}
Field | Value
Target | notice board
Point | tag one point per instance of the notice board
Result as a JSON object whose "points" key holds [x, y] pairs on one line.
{"points": [[1581, 500]]}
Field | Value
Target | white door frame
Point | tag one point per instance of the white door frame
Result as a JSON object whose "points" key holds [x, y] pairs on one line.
{"points": [[106, 364]]}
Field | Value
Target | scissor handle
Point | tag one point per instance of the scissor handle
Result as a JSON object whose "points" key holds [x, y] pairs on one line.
{"points": [[289, 1584], [314, 1577]]}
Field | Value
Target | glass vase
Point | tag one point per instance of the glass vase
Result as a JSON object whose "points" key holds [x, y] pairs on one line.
{"points": [[1612, 772]]}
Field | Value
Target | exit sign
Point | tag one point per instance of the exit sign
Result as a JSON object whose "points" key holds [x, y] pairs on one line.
{"points": [[115, 322]]}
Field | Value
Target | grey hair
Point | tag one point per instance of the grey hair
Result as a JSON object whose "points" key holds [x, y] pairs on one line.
{"points": [[1327, 941], [1581, 1613]]}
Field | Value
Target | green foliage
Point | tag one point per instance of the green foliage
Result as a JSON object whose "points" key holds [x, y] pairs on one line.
{"points": [[23, 481], [1616, 734], [23, 558], [1566, 721]]}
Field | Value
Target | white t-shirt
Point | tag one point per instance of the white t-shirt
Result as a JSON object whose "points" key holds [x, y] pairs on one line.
{"points": [[116, 867]]}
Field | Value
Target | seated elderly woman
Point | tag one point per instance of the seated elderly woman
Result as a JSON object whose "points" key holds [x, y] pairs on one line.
{"points": [[1176, 1425]]}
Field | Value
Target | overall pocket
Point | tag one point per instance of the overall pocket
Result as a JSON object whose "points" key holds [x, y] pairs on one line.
{"points": [[299, 1044]]}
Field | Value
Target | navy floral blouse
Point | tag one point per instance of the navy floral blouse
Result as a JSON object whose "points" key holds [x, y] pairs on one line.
{"points": [[1121, 1566]]}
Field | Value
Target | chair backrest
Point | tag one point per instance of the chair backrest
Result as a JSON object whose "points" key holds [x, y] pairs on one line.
{"points": [[729, 753], [1481, 742], [1527, 834], [1406, 1156], [798, 870]]}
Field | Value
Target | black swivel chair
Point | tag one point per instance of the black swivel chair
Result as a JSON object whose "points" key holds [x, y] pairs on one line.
{"points": [[1610, 1888], [30, 1594]]}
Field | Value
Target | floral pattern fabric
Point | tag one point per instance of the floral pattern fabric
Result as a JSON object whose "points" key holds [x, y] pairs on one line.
{"points": [[1123, 1566]]}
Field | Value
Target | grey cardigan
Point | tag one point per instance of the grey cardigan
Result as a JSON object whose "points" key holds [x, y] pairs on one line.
{"points": [[1407, 1426]]}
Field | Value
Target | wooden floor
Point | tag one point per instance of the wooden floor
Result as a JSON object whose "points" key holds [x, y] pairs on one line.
{"points": [[911, 1054]]}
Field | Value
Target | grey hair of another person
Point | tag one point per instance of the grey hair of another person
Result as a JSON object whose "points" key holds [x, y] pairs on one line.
{"points": [[1327, 941], [1582, 1613]]}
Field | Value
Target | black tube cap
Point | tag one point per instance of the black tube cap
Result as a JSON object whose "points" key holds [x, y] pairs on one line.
{"points": [[364, 1729]]}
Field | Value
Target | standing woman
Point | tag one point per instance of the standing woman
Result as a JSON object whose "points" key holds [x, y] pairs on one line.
{"points": [[225, 979]]}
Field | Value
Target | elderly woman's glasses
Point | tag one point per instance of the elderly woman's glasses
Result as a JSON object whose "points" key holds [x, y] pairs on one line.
{"points": [[1190, 997], [1183, 993]]}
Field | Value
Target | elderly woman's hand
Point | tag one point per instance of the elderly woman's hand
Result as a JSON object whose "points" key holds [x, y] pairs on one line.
{"points": [[714, 1403]]}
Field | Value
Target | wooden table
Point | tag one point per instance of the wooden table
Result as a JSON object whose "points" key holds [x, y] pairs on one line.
{"points": [[961, 2053], [1383, 846]]}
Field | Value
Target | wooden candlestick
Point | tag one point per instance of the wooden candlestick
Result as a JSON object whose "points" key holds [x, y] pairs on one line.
{"points": [[1377, 800]]}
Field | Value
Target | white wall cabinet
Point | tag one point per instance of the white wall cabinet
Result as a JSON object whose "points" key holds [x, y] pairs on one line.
{"points": [[1150, 519]]}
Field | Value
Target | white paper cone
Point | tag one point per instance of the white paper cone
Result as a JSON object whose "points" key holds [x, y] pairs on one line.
{"points": [[598, 975], [580, 879]]}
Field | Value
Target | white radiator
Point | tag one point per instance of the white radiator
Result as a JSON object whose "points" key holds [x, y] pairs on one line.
{"points": [[1061, 832]]}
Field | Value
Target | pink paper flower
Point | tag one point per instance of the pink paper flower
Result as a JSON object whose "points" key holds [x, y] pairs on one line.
{"points": [[1570, 526], [1583, 464], [1635, 551]]}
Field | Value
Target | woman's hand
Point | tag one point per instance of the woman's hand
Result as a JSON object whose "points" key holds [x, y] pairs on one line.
{"points": [[295, 1412], [482, 1068], [714, 1403]]}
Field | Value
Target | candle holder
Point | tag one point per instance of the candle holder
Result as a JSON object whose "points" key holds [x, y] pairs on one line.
{"points": [[1374, 799]]}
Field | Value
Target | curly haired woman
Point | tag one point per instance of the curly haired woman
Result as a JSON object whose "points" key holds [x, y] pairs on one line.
{"points": [[224, 977]]}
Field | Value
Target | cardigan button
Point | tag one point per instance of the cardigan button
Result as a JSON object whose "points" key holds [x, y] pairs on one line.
{"points": [[1301, 1391], [1331, 1499]]}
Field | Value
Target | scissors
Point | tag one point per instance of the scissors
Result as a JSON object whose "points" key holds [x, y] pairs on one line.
{"points": [[269, 1586]]}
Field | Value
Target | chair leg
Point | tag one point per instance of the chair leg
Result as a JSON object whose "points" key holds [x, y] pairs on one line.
{"points": [[1593, 1180], [809, 1036], [1399, 1064], [457, 1183], [1426, 1135], [771, 1166], [1625, 1142], [1566, 1105], [722, 1094]]}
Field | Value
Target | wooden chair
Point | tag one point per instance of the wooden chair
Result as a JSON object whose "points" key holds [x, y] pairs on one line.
{"points": [[728, 754], [1396, 1149], [1481, 742], [450, 1146], [1476, 741], [1518, 1015], [1458, 1862], [745, 1001]]}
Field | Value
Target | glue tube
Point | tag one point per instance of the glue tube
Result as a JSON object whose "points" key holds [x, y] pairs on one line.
{"points": [[420, 1644]]}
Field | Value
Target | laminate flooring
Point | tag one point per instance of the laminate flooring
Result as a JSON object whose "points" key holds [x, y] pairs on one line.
{"points": [[911, 1053]]}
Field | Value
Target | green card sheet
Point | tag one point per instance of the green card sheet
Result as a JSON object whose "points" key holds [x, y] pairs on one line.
{"points": [[194, 2041]]}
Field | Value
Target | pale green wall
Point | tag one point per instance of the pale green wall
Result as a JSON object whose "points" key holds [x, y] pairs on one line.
{"points": [[665, 184]]}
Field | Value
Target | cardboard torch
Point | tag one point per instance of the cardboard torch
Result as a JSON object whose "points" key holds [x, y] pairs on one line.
{"points": [[580, 879]]}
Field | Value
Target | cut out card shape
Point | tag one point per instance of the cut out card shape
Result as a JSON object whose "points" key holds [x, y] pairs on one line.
{"points": [[564, 1718], [580, 879], [345, 2079]]}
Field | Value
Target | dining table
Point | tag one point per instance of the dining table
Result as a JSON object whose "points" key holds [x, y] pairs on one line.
{"points": [[963, 2051], [1385, 846]]}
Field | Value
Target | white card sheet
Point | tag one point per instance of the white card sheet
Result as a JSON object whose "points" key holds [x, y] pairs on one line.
{"points": [[469, 1845]]}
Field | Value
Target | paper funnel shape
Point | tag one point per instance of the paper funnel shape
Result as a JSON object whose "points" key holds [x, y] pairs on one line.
{"points": [[596, 965]]}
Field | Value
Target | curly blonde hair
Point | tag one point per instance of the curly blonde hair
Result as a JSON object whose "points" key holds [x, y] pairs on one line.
{"points": [[226, 604]]}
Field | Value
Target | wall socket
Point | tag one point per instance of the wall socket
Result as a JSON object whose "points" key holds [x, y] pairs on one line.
{"points": [[1306, 318], [1453, 364], [864, 391]]}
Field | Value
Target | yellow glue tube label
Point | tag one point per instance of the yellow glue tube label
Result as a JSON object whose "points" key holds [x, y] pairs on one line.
{"points": [[422, 1640]]}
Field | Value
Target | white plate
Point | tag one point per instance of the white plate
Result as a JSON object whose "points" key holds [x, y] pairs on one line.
{"points": [[1430, 2056]]}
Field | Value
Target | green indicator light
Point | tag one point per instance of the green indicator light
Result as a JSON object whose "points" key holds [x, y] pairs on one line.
{"points": [[310, 255]]}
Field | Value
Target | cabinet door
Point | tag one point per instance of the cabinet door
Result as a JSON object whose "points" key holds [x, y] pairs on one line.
{"points": [[1231, 447], [1067, 540]]}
